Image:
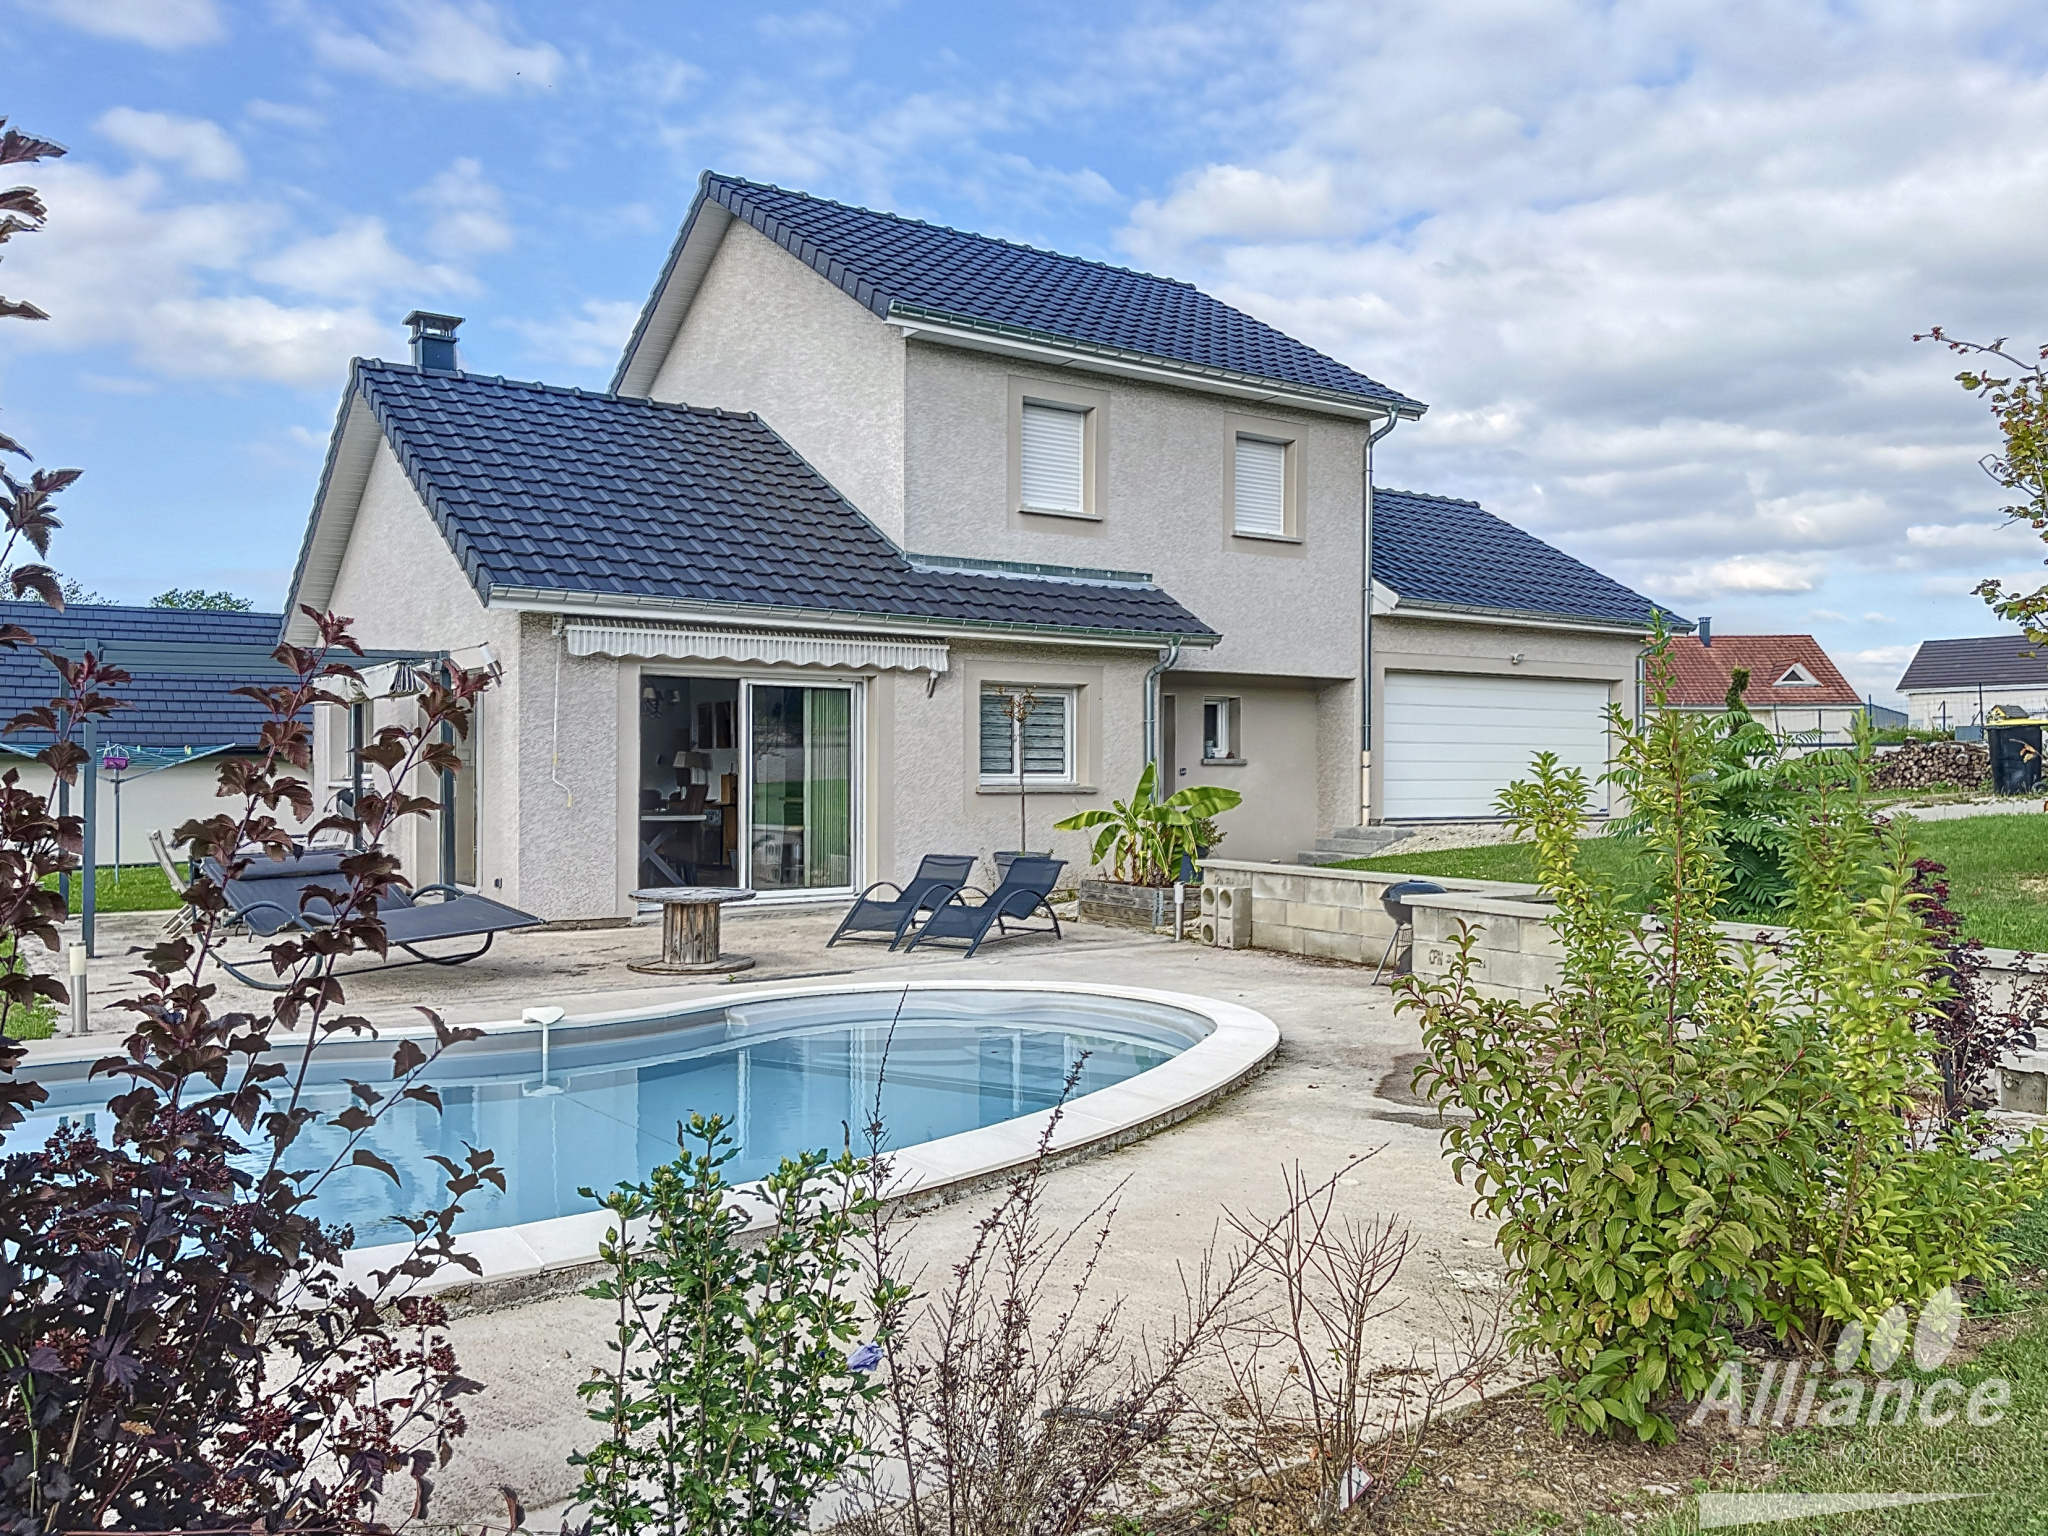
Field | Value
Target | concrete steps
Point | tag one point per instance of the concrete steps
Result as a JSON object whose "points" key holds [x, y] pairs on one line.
{"points": [[1353, 843]]}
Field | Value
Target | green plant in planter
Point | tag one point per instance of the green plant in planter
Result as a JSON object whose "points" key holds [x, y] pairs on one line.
{"points": [[1143, 838]]}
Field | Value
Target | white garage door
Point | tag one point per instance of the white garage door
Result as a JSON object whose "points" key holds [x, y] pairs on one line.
{"points": [[1451, 741]]}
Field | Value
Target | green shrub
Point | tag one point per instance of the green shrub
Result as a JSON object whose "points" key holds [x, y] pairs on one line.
{"points": [[1688, 1136], [1144, 838], [734, 1399]]}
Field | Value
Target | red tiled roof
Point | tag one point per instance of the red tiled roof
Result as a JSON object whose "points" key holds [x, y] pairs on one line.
{"points": [[1700, 673]]}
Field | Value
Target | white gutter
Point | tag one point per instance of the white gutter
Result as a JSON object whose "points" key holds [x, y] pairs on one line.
{"points": [[615, 605], [1404, 609], [1136, 365]]}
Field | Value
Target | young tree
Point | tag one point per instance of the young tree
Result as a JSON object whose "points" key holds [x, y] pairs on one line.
{"points": [[2016, 389]]}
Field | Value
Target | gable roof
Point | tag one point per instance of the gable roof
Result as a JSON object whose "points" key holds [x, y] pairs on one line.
{"points": [[171, 710], [906, 269], [1439, 552], [1700, 674], [1989, 661], [542, 491]]}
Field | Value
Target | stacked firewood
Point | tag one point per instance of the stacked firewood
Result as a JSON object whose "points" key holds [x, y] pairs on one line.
{"points": [[1932, 765]]}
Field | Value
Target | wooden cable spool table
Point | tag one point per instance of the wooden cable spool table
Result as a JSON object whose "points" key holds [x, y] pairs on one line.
{"points": [[689, 930]]}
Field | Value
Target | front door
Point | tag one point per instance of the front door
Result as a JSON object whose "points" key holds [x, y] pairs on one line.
{"points": [[800, 764]]}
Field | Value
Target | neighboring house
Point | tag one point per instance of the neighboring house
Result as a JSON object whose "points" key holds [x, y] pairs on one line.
{"points": [[177, 726], [1952, 684], [1795, 689], [884, 526], [1489, 646]]}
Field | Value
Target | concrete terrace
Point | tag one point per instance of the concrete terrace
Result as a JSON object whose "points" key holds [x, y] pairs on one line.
{"points": [[1336, 1089]]}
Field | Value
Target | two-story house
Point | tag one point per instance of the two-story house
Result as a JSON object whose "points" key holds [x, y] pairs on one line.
{"points": [[891, 539]]}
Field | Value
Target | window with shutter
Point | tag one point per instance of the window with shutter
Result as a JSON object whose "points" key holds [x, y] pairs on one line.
{"points": [[1042, 739], [1053, 448], [1261, 483]]}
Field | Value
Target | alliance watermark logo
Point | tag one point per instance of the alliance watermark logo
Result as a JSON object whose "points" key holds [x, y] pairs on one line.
{"points": [[1802, 1394]]}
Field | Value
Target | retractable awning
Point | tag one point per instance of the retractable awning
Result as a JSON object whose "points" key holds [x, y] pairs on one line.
{"points": [[681, 642]]}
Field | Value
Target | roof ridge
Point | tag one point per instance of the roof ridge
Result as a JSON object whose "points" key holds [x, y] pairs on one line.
{"points": [[948, 229], [1454, 501], [574, 390]]}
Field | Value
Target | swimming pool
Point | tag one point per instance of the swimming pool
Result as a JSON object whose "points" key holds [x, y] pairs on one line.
{"points": [[792, 1070]]}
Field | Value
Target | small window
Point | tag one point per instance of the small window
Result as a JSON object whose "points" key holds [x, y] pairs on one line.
{"points": [[1219, 730], [1796, 676], [1261, 488], [1031, 725], [1052, 471]]}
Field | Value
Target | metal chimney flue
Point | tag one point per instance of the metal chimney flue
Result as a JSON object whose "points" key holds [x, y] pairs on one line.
{"points": [[433, 341], [1706, 631]]}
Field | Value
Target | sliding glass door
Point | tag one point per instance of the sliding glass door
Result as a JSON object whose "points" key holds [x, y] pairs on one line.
{"points": [[800, 759]]}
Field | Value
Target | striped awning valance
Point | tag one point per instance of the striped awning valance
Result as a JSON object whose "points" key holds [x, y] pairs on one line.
{"points": [[789, 648]]}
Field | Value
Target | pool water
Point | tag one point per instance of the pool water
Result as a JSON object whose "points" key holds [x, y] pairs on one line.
{"points": [[790, 1074]]}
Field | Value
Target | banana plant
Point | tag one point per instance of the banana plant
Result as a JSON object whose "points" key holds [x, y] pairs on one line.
{"points": [[1144, 837]]}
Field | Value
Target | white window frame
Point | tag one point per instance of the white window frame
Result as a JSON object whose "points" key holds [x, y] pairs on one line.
{"points": [[1080, 415], [1068, 698], [1796, 676], [1286, 509], [1230, 715]]}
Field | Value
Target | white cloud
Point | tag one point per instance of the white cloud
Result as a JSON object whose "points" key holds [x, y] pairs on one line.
{"points": [[466, 212], [1236, 202], [164, 24], [438, 42], [356, 261], [1745, 573], [201, 148], [230, 289], [285, 115], [591, 337]]}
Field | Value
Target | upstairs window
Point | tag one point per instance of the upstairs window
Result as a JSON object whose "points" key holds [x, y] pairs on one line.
{"points": [[1261, 488], [1029, 725], [1053, 461], [1797, 676]]}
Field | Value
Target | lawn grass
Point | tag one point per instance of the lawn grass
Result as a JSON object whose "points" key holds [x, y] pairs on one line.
{"points": [[1997, 871], [136, 888]]}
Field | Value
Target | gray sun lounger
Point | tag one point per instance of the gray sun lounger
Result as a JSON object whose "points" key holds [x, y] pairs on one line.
{"points": [[1007, 909], [939, 876], [274, 896]]}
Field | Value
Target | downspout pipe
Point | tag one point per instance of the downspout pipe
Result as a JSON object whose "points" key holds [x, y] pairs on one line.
{"points": [[1165, 663], [1365, 628]]}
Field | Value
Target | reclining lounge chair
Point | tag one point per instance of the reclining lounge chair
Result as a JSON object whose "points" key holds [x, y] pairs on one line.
{"points": [[271, 898], [938, 877], [1007, 909]]}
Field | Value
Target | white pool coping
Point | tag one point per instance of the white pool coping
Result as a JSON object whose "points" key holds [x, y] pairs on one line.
{"points": [[1239, 1042]]}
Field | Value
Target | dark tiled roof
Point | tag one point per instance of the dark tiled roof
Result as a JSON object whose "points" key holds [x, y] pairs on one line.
{"points": [[556, 490], [1700, 674], [1992, 660], [890, 263], [1456, 554], [171, 710]]}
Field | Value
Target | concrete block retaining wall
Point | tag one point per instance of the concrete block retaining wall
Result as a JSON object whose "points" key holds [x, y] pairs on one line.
{"points": [[1335, 914]]}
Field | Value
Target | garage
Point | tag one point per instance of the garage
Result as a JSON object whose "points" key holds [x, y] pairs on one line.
{"points": [[1451, 741]]}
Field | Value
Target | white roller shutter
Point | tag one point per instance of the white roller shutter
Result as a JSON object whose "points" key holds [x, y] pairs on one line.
{"points": [[1050, 469], [1451, 741], [1261, 485]]}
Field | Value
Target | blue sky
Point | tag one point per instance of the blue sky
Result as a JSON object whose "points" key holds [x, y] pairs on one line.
{"points": [[1655, 267]]}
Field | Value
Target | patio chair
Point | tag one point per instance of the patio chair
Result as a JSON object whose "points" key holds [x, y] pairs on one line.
{"points": [[181, 919], [938, 877], [1026, 885], [274, 896]]}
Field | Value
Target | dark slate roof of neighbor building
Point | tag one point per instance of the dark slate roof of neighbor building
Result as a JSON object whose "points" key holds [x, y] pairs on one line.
{"points": [[544, 489], [1441, 552], [171, 710], [912, 269], [1987, 660]]}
